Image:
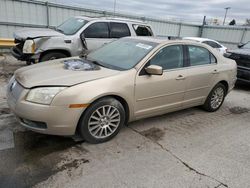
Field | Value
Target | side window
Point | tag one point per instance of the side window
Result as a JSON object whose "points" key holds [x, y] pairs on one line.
{"points": [[212, 44], [118, 30], [170, 57], [213, 59], [200, 56], [142, 30], [97, 30]]}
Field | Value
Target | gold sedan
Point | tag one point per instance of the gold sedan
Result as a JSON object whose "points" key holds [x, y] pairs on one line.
{"points": [[126, 80]]}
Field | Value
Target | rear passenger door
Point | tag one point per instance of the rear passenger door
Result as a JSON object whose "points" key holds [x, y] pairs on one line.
{"points": [[119, 30], [201, 74], [96, 35]]}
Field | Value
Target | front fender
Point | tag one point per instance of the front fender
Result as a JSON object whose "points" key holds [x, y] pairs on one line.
{"points": [[51, 43], [121, 85]]}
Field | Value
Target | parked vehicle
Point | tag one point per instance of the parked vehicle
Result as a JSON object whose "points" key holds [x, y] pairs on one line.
{"points": [[36, 45], [214, 44], [126, 80], [242, 58]]}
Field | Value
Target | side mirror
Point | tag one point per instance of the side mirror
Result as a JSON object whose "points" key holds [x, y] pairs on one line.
{"points": [[154, 70], [240, 45]]}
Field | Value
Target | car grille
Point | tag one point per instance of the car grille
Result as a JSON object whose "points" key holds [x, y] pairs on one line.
{"points": [[19, 46], [243, 61]]}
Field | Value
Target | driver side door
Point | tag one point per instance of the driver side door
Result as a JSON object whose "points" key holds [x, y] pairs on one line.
{"points": [[158, 94]]}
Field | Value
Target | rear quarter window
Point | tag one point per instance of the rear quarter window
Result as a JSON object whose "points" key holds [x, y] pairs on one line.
{"points": [[141, 30], [200, 56]]}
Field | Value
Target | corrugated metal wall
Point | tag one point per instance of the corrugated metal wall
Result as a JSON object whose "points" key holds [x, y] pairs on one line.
{"points": [[230, 36], [23, 13]]}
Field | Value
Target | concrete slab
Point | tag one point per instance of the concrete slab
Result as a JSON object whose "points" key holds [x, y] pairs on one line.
{"points": [[6, 140]]}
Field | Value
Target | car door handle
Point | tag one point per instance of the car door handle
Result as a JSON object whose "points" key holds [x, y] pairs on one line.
{"points": [[215, 72], [180, 77]]}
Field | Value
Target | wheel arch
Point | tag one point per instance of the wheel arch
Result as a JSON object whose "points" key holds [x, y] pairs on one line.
{"points": [[66, 52], [225, 83], [117, 97]]}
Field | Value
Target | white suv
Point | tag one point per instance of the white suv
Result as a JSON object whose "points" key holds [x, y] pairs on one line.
{"points": [[76, 36]]}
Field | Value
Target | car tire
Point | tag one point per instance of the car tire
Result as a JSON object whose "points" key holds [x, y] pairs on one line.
{"points": [[215, 98], [52, 56], [102, 120]]}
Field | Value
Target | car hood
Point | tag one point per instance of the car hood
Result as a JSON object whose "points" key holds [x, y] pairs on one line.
{"points": [[54, 73], [23, 34], [240, 51]]}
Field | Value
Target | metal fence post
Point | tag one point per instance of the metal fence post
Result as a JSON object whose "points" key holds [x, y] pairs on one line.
{"points": [[47, 12], [243, 35], [179, 32], [202, 26]]}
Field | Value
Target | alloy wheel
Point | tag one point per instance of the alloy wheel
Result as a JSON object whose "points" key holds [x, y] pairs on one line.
{"points": [[104, 121]]}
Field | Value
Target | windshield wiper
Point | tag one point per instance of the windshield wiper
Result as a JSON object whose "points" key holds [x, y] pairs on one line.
{"points": [[61, 31], [98, 63]]}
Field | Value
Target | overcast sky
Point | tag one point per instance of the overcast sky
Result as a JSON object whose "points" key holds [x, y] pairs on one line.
{"points": [[185, 10]]}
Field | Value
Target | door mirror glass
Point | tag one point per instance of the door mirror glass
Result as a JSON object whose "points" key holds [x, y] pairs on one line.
{"points": [[154, 70]]}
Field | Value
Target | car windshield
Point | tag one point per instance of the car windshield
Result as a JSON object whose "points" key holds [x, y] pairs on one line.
{"points": [[247, 45], [122, 54], [71, 26]]}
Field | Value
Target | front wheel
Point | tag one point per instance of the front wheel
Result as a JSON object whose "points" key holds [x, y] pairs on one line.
{"points": [[52, 55], [102, 120], [216, 98]]}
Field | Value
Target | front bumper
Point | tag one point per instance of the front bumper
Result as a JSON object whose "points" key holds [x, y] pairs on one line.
{"points": [[47, 119], [243, 74], [19, 55]]}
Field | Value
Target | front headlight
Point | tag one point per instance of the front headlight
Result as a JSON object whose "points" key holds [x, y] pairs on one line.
{"points": [[43, 95], [29, 47]]}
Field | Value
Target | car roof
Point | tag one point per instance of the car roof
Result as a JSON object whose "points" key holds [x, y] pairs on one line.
{"points": [[198, 39], [112, 19], [164, 40]]}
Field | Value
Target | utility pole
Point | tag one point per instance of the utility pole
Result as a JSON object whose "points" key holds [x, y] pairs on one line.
{"points": [[202, 26], [114, 7], [226, 14]]}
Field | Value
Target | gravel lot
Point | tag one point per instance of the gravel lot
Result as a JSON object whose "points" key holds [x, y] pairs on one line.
{"points": [[189, 148]]}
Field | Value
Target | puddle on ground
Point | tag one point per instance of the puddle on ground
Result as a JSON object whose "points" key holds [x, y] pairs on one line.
{"points": [[34, 159], [154, 134], [238, 110]]}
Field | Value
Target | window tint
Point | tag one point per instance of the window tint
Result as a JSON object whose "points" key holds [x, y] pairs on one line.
{"points": [[200, 56], [212, 44], [142, 30], [97, 30], [118, 30], [170, 57]]}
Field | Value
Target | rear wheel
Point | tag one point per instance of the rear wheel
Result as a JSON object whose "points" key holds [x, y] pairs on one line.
{"points": [[52, 56], [102, 120], [216, 98]]}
